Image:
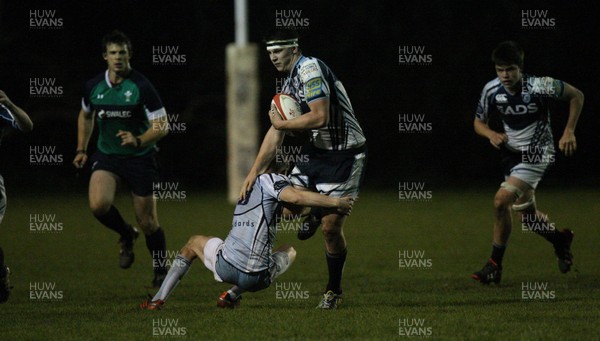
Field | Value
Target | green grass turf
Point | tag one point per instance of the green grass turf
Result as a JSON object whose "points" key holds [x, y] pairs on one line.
{"points": [[99, 300]]}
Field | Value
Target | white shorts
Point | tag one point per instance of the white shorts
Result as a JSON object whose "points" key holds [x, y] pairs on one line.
{"points": [[530, 168], [211, 249]]}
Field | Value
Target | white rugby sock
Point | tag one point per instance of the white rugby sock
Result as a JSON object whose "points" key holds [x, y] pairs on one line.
{"points": [[180, 267], [234, 292]]}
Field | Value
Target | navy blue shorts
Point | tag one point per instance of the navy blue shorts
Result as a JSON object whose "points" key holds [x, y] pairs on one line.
{"points": [[336, 173], [139, 173]]}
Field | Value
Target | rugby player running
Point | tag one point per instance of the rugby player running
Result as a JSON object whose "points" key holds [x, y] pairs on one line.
{"points": [[336, 152], [128, 112], [527, 149]]}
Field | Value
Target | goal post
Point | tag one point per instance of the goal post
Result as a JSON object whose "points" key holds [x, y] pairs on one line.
{"points": [[242, 103]]}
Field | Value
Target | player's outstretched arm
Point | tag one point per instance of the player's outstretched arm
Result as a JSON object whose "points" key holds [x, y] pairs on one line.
{"points": [[317, 117], [482, 129], [22, 119], [85, 126], [266, 154], [312, 199], [568, 143], [157, 130]]}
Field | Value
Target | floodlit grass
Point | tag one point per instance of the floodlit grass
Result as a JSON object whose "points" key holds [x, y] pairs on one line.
{"points": [[437, 298]]}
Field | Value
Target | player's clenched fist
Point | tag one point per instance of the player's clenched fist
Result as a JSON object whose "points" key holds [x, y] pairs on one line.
{"points": [[80, 159], [497, 139], [568, 143], [128, 139]]}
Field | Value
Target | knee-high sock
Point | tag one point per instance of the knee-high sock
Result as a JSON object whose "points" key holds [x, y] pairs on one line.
{"points": [[498, 253], [157, 245], [335, 265], [180, 267], [114, 221], [235, 291]]}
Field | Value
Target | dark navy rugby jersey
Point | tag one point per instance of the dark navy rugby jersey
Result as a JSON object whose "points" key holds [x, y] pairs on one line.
{"points": [[310, 80], [6, 120], [525, 115]]}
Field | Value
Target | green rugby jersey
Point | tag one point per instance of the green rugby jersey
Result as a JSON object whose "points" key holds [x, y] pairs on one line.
{"points": [[127, 106]]}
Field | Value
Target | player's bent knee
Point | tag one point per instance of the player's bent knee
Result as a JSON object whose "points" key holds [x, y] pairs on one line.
{"points": [[194, 246], [522, 207], [502, 203], [331, 234], [516, 191], [195, 240], [291, 254], [188, 252], [147, 227], [504, 199], [100, 208]]}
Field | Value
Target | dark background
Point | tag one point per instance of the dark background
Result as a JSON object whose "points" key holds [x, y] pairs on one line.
{"points": [[358, 41]]}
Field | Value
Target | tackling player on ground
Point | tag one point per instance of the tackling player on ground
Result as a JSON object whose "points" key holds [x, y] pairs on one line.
{"points": [[336, 151], [245, 258], [128, 111], [10, 116], [527, 149]]}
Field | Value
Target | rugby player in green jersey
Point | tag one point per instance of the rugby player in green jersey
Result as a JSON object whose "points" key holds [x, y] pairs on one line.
{"points": [[128, 112]]}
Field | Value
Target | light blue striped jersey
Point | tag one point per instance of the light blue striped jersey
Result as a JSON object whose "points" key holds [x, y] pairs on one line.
{"points": [[250, 241]]}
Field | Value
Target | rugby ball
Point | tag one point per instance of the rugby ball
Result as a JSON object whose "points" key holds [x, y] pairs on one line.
{"points": [[286, 107]]}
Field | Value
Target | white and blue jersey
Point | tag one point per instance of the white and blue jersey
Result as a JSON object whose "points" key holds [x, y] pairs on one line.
{"points": [[249, 243], [525, 115], [6, 120], [310, 80]]}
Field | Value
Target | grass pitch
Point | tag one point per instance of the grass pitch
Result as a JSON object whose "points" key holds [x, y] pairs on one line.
{"points": [[67, 283]]}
